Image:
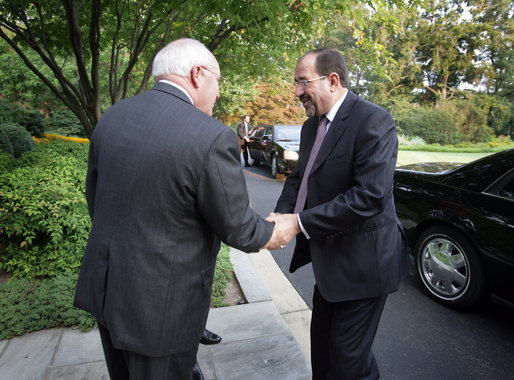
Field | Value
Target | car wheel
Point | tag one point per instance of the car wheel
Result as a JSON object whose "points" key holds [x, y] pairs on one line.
{"points": [[449, 267], [274, 168]]}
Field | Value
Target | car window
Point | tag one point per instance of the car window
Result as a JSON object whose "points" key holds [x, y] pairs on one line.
{"points": [[269, 131], [504, 187], [287, 133], [258, 132]]}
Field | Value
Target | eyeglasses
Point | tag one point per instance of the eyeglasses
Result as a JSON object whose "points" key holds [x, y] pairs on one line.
{"points": [[219, 78], [305, 82]]}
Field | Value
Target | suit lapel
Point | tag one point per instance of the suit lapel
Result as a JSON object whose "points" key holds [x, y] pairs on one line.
{"points": [[307, 141], [336, 130]]}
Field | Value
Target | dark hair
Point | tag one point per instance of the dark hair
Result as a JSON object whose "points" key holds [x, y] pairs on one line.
{"points": [[331, 61]]}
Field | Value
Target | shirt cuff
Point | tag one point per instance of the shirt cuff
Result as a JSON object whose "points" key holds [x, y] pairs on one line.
{"points": [[301, 226]]}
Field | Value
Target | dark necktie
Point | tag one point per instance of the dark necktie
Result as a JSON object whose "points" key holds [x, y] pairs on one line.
{"points": [[302, 193]]}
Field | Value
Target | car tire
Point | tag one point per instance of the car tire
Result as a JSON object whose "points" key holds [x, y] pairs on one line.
{"points": [[274, 168], [449, 267]]}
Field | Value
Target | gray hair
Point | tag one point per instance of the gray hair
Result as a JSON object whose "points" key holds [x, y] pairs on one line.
{"points": [[179, 57]]}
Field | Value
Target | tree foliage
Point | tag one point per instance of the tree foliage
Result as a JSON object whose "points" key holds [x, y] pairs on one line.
{"points": [[113, 42], [275, 103], [110, 44], [444, 52]]}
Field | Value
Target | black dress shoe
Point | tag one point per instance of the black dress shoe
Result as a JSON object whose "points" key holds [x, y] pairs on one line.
{"points": [[210, 338], [197, 373]]}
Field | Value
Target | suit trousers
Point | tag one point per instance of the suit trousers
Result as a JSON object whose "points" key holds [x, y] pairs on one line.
{"points": [[125, 365], [342, 334], [244, 148]]}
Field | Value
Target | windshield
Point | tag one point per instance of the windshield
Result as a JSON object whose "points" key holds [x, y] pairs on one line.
{"points": [[287, 132]]}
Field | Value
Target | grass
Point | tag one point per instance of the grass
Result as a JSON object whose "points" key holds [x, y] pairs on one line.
{"points": [[412, 154], [478, 148], [412, 157]]}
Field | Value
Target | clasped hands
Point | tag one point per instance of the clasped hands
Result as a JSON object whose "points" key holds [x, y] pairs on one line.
{"points": [[286, 228]]}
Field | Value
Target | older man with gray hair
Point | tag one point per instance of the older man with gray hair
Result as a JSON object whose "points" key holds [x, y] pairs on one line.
{"points": [[164, 187]]}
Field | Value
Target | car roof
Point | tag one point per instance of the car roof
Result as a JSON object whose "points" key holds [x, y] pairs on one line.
{"points": [[476, 175], [479, 174]]}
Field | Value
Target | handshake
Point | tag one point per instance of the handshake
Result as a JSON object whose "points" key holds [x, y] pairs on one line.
{"points": [[286, 228]]}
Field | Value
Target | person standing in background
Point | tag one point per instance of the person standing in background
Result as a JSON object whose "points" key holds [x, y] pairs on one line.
{"points": [[243, 133]]}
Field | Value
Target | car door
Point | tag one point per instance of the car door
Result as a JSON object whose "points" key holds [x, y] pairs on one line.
{"points": [[255, 143], [267, 144], [498, 231]]}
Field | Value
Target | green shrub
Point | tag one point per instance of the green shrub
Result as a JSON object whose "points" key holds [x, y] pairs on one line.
{"points": [[45, 153], [470, 120], [500, 141], [32, 305], [64, 122], [433, 126], [44, 229], [5, 144], [7, 162], [31, 120], [43, 209], [40, 304], [20, 139], [222, 275]]}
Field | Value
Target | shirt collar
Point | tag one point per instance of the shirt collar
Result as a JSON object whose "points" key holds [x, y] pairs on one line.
{"points": [[179, 87], [331, 114]]}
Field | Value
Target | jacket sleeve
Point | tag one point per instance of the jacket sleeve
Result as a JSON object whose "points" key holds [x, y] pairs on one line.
{"points": [[223, 198], [241, 131]]}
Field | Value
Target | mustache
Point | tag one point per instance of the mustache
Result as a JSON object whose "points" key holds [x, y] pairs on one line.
{"points": [[302, 99]]}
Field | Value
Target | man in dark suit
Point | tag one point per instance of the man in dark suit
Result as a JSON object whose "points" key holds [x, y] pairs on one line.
{"points": [[344, 215], [164, 186], [243, 134]]}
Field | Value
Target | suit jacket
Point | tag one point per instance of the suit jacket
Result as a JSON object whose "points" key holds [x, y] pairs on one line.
{"points": [[356, 243], [241, 133], [164, 185]]}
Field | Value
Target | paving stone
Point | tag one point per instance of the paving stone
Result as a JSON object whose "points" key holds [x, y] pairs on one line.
{"points": [[299, 323], [246, 321], [79, 347], [28, 356], [271, 357], [283, 293], [204, 358], [88, 371]]}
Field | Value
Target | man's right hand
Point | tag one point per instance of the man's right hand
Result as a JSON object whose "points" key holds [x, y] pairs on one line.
{"points": [[286, 228]]}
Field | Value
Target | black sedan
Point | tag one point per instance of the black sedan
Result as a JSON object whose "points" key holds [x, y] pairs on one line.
{"points": [[277, 147], [459, 221]]}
